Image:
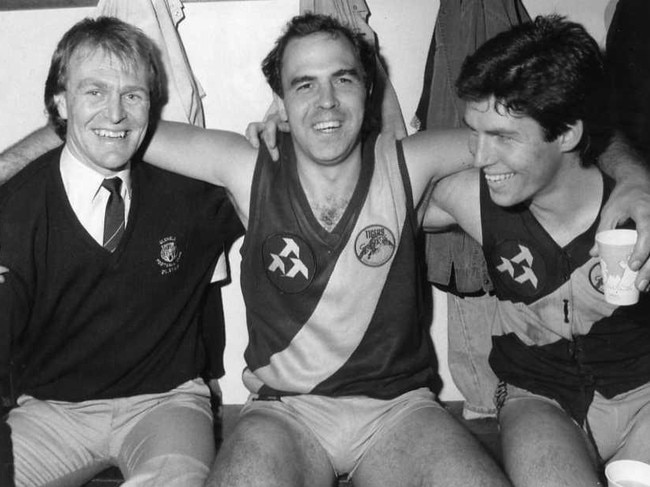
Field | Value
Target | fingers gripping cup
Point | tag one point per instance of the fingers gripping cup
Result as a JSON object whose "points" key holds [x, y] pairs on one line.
{"points": [[627, 473], [615, 248]]}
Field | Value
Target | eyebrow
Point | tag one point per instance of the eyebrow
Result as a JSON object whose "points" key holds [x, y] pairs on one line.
{"points": [[101, 84], [353, 72], [301, 79], [491, 132]]}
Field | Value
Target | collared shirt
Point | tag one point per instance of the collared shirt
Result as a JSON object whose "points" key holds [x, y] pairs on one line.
{"points": [[88, 198]]}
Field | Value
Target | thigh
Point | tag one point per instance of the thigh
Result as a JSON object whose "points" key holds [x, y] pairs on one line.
{"points": [[428, 447], [268, 448], [635, 444], [171, 443], [543, 447], [58, 444]]}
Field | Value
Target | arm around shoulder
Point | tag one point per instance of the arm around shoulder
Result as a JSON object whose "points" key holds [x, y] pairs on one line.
{"points": [[434, 154], [215, 156], [455, 200], [17, 156]]}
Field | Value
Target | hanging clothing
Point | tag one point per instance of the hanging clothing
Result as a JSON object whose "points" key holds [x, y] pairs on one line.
{"points": [[628, 62], [461, 27], [159, 19], [383, 102], [455, 261]]}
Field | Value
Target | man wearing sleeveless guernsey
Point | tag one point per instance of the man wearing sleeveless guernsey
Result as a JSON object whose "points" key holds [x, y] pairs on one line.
{"points": [[339, 361], [574, 369]]}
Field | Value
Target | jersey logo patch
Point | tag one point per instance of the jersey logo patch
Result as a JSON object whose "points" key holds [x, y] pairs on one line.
{"points": [[289, 262], [170, 256], [374, 245], [596, 278], [521, 269]]}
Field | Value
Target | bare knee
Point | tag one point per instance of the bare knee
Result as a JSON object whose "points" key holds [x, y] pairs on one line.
{"points": [[265, 451], [543, 446]]}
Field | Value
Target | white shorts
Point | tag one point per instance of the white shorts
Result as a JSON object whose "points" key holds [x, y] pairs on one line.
{"points": [[346, 427], [155, 439], [611, 421]]}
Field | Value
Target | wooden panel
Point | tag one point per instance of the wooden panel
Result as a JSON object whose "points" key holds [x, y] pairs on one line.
{"points": [[36, 4]]}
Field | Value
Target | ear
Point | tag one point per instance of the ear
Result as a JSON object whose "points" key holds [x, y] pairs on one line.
{"points": [[571, 137], [280, 109], [61, 105]]}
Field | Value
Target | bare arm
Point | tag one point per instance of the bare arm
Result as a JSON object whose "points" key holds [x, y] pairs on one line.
{"points": [[17, 156], [434, 154], [629, 200], [455, 200], [215, 156]]}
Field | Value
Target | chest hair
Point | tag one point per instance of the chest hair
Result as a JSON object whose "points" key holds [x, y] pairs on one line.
{"points": [[329, 210]]}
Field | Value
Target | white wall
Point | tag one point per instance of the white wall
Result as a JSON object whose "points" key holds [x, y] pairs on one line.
{"points": [[225, 42]]}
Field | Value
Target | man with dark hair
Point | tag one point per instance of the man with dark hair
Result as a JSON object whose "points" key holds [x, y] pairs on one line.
{"points": [[101, 346], [574, 369], [339, 361]]}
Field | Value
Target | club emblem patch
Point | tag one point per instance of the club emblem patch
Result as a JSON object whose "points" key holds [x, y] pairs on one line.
{"points": [[520, 268], [596, 278], [170, 255], [289, 262], [374, 245]]}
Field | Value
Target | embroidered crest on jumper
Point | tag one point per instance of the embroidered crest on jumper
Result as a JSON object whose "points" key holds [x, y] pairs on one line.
{"points": [[170, 255], [289, 262], [520, 268], [374, 245]]}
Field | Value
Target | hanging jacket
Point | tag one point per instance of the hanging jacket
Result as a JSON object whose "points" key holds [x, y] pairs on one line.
{"points": [[461, 27]]}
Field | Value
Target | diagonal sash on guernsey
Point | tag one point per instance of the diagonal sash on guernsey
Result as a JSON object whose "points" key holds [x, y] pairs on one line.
{"points": [[114, 218]]}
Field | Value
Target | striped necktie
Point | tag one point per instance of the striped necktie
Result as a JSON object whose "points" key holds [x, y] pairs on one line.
{"points": [[114, 218]]}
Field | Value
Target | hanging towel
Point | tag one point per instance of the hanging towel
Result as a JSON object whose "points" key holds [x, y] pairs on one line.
{"points": [[383, 100], [159, 19]]}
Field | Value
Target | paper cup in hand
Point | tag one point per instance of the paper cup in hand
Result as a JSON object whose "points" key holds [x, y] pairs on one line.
{"points": [[615, 248], [627, 473]]}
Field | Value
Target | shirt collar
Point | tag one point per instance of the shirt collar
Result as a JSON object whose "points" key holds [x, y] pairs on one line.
{"points": [[82, 182]]}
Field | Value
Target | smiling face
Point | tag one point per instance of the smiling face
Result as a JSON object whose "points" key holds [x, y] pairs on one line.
{"points": [[519, 165], [324, 98], [106, 105]]}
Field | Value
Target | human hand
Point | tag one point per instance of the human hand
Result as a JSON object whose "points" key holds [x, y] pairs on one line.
{"points": [[631, 201], [274, 120]]}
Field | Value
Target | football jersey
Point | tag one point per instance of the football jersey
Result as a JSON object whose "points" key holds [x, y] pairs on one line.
{"points": [[341, 312], [559, 337]]}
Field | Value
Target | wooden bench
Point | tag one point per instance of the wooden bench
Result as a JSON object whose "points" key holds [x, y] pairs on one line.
{"points": [[485, 430]]}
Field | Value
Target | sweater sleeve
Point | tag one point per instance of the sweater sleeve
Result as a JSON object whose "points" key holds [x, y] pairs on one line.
{"points": [[13, 310], [6, 456], [14, 315]]}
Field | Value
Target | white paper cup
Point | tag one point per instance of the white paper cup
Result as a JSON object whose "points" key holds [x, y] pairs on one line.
{"points": [[628, 473], [614, 248]]}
